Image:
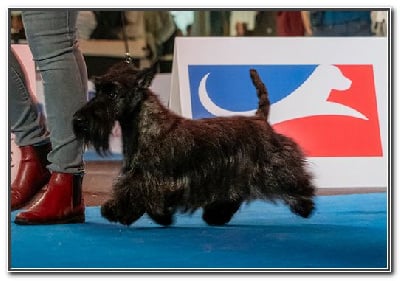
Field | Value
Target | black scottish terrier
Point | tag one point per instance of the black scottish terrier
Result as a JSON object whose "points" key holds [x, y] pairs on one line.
{"points": [[172, 164]]}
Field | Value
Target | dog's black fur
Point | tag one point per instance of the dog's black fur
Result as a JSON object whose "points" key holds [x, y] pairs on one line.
{"points": [[176, 164]]}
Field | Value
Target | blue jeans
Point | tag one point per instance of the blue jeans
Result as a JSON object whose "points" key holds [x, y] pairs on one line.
{"points": [[52, 40], [352, 28], [25, 119]]}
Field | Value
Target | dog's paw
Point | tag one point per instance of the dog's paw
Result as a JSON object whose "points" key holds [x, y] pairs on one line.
{"points": [[162, 219], [303, 207], [126, 217], [216, 220], [108, 212], [127, 220], [220, 213]]}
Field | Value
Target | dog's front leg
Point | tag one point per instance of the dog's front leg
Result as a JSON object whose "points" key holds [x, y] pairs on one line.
{"points": [[220, 212], [126, 205], [163, 217], [163, 206]]}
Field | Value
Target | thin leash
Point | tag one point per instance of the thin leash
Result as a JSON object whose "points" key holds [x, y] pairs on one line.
{"points": [[128, 57]]}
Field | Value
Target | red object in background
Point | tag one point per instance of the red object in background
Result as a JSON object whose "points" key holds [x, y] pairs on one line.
{"points": [[289, 24], [342, 136]]}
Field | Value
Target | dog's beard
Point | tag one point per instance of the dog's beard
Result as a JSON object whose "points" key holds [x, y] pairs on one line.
{"points": [[98, 138]]}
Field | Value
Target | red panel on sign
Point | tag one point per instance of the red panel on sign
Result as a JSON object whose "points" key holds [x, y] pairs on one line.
{"points": [[342, 136]]}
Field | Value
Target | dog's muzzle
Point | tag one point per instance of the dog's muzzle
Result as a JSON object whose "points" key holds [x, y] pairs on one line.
{"points": [[80, 125]]}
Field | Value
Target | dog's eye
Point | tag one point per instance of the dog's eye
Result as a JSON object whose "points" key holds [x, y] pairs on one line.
{"points": [[113, 95]]}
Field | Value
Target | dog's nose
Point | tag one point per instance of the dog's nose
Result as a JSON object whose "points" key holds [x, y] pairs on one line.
{"points": [[80, 124]]}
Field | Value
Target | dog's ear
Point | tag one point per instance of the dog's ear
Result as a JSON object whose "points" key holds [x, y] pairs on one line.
{"points": [[146, 76]]}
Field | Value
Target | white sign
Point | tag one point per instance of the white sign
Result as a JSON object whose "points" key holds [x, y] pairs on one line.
{"points": [[329, 94]]}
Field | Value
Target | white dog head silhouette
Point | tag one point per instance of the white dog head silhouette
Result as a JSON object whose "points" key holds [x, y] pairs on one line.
{"points": [[309, 99]]}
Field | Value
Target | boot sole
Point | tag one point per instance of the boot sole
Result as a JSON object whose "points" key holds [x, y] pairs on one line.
{"points": [[74, 219], [28, 201]]}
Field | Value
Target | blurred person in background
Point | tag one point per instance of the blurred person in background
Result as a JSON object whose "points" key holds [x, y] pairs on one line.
{"points": [[337, 23]]}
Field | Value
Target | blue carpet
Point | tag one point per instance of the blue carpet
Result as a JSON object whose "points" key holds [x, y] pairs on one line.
{"points": [[91, 155], [346, 232]]}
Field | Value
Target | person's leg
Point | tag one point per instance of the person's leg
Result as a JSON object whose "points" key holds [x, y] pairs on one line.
{"points": [[359, 28], [30, 136], [353, 28], [330, 30], [52, 39], [25, 119]]}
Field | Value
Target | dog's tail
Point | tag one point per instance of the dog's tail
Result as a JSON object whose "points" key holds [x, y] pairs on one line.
{"points": [[262, 93]]}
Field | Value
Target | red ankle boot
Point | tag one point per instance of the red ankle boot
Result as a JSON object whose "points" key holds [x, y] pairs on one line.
{"points": [[62, 202], [32, 174]]}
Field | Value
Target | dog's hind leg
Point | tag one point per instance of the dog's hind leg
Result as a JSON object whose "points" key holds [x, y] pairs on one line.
{"points": [[302, 206], [299, 196], [220, 212]]}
